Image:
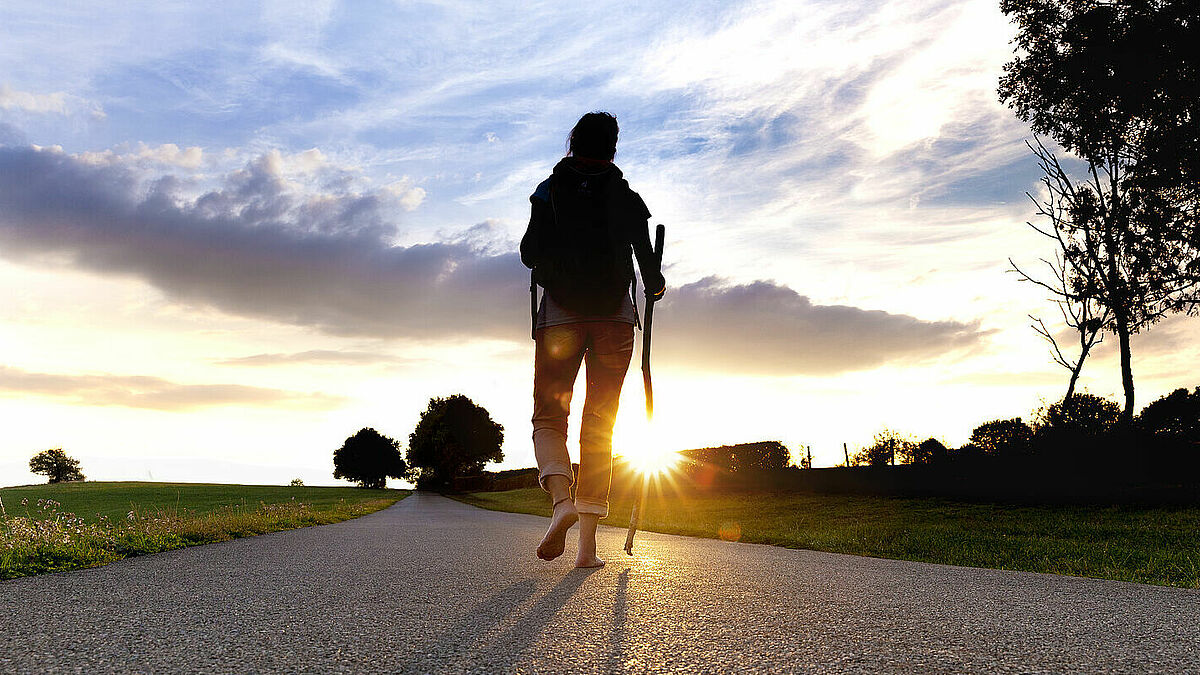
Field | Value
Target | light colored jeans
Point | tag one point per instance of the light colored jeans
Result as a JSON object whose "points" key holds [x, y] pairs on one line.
{"points": [[606, 347]]}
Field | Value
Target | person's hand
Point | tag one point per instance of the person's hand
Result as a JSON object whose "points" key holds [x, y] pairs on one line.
{"points": [[658, 290]]}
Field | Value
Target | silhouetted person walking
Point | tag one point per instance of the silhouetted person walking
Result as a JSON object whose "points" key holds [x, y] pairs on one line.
{"points": [[584, 227]]}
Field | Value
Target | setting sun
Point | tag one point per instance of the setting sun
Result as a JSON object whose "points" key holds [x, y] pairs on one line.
{"points": [[653, 459]]}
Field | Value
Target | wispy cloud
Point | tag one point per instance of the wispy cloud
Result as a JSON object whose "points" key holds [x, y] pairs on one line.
{"points": [[136, 391], [313, 357], [56, 103]]}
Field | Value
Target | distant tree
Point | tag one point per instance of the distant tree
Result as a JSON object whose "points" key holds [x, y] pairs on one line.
{"points": [[296, 482], [368, 458], [1113, 82], [1174, 417], [764, 455], [806, 457], [888, 447], [761, 455], [1172, 425], [1083, 432], [967, 453], [1003, 438], [57, 465], [454, 437], [1081, 417], [928, 451]]}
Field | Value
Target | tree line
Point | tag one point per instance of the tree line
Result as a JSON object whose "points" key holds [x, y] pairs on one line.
{"points": [[1080, 432]]}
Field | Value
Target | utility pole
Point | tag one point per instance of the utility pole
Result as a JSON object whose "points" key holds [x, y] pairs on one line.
{"points": [[846, 451]]}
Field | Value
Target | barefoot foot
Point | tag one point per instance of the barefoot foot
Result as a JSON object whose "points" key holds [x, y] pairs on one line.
{"points": [[555, 540], [589, 561]]}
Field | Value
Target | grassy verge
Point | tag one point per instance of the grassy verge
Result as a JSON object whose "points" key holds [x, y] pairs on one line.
{"points": [[51, 528], [1148, 545]]}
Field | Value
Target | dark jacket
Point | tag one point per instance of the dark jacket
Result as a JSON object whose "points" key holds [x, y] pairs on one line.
{"points": [[610, 198]]}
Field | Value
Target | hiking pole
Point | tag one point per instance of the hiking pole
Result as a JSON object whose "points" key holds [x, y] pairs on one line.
{"points": [[533, 306], [659, 237]]}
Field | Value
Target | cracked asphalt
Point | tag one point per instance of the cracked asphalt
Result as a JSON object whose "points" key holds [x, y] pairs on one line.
{"points": [[432, 585]]}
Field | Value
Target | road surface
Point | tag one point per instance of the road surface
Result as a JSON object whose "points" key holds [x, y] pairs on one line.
{"points": [[432, 585]]}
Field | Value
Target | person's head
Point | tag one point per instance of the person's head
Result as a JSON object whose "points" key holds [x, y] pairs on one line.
{"points": [[594, 137]]}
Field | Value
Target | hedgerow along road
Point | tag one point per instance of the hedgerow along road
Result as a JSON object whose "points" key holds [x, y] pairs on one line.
{"points": [[433, 585]]}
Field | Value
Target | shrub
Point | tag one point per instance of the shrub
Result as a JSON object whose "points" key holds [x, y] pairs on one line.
{"points": [[296, 482]]}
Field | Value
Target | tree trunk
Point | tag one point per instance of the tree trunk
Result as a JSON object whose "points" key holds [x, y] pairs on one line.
{"points": [[1074, 379], [1126, 369], [1085, 347]]}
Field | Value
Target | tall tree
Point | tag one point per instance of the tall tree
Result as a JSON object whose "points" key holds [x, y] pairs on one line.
{"points": [[1113, 82], [1072, 282], [454, 437]]}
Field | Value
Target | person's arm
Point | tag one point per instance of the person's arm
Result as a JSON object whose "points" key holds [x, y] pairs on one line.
{"points": [[540, 215], [531, 243], [648, 263]]}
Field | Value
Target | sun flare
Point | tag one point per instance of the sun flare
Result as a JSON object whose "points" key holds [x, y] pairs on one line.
{"points": [[653, 459]]}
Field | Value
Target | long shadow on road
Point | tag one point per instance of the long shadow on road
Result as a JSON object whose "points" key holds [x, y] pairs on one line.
{"points": [[507, 648], [616, 639]]}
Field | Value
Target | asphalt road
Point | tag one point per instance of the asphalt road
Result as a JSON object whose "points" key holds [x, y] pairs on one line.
{"points": [[432, 585]]}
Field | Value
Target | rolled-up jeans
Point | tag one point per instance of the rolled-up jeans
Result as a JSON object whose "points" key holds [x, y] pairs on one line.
{"points": [[606, 348]]}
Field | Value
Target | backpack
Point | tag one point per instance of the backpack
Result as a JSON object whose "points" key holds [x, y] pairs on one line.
{"points": [[586, 263]]}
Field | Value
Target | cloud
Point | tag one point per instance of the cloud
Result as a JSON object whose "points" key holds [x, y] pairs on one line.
{"points": [[767, 329], [259, 247], [58, 103], [256, 247], [312, 357], [167, 154], [135, 391]]}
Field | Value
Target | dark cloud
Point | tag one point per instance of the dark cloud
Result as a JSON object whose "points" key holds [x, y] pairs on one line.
{"points": [[135, 391], [256, 248], [314, 357], [768, 329]]}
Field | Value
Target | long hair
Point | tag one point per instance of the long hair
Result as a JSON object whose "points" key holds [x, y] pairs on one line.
{"points": [[594, 136]]}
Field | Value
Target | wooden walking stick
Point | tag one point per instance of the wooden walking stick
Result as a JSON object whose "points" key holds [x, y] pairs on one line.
{"points": [[659, 237]]}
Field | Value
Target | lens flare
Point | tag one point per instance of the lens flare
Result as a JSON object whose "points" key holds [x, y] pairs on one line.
{"points": [[653, 459]]}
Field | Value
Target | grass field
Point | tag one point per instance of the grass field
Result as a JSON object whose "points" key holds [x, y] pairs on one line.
{"points": [[1148, 545], [45, 528]]}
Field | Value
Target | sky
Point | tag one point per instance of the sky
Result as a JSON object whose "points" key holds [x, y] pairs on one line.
{"points": [[230, 239]]}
